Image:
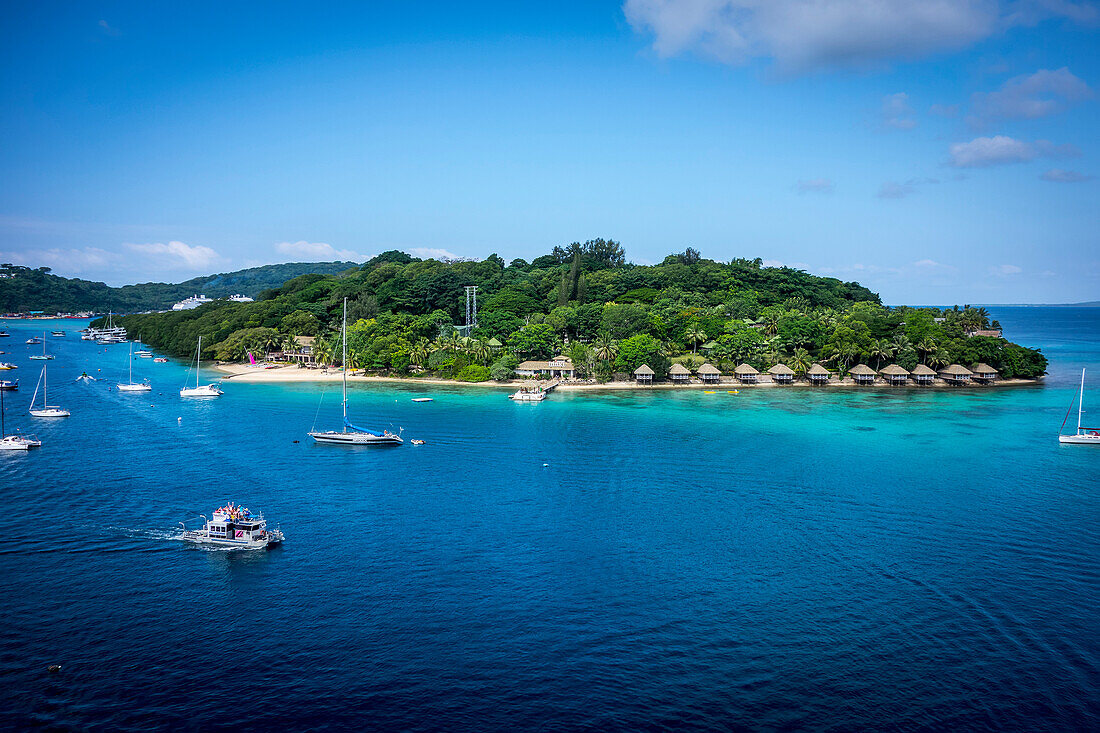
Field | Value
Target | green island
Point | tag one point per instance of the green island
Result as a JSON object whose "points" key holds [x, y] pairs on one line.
{"points": [[585, 306]]}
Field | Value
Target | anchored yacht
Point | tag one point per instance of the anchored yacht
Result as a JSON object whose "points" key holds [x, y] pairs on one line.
{"points": [[204, 390]]}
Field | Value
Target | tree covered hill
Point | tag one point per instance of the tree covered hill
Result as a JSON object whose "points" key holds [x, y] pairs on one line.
{"points": [[23, 289], [585, 299]]}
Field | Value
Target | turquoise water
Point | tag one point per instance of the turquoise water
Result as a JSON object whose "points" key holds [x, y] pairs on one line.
{"points": [[775, 559]]}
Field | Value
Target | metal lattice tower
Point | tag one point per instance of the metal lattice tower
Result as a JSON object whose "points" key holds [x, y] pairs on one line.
{"points": [[471, 308]]}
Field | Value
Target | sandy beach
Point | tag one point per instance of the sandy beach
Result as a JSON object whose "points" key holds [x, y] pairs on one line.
{"points": [[246, 373]]}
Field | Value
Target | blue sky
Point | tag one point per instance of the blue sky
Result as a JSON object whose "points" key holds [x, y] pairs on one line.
{"points": [[938, 152]]}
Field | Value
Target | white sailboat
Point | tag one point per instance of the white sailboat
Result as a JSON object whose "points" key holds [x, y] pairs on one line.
{"points": [[1083, 436], [131, 386], [16, 441], [46, 410], [352, 434], [205, 390], [43, 356]]}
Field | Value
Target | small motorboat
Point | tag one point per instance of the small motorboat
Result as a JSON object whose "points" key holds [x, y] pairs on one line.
{"points": [[58, 334], [160, 360], [416, 441], [9, 385], [5, 365], [32, 340], [422, 399], [85, 377]]}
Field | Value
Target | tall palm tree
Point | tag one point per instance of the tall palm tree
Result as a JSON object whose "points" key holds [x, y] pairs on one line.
{"points": [[800, 361], [901, 343], [926, 346], [418, 356], [770, 322], [696, 336], [881, 349], [481, 352], [605, 349], [939, 358]]}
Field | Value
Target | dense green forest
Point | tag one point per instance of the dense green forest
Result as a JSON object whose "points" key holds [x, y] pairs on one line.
{"points": [[586, 301], [26, 289]]}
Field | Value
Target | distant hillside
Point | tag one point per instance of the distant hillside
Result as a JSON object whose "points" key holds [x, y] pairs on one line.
{"points": [[25, 289]]}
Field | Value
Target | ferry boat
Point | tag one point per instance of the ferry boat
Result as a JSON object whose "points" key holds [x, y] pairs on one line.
{"points": [[528, 395], [234, 526]]}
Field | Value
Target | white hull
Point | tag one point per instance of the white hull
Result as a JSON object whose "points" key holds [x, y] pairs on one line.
{"points": [[39, 357], [51, 412], [208, 390], [200, 538], [529, 396], [135, 388], [355, 438], [1080, 439], [16, 442]]}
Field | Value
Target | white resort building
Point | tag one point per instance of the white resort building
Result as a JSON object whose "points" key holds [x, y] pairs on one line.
{"points": [[560, 367]]}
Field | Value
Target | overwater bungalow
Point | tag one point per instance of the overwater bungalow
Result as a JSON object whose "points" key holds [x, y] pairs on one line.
{"points": [[922, 374], [746, 374], [862, 374], [956, 374], [709, 374], [781, 374], [894, 374], [680, 374], [644, 374], [818, 374], [984, 373]]}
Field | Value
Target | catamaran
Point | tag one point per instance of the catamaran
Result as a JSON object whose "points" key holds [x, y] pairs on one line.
{"points": [[131, 386], [1083, 436], [205, 390], [46, 410], [352, 434], [16, 441], [234, 526], [43, 356]]}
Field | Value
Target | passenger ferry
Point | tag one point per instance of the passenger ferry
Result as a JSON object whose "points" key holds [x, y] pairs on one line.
{"points": [[234, 526]]}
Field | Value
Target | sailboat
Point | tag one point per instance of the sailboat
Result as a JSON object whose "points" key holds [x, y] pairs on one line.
{"points": [[47, 410], [1083, 436], [43, 356], [205, 390], [352, 434], [130, 386], [14, 442]]}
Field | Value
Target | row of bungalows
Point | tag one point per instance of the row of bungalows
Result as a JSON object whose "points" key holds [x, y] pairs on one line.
{"points": [[817, 374]]}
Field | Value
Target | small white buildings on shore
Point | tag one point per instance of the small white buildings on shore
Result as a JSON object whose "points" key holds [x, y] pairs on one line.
{"points": [[196, 300], [781, 374], [644, 374], [895, 374], [746, 373], [560, 367], [709, 374], [862, 374], [679, 374], [956, 374], [818, 374]]}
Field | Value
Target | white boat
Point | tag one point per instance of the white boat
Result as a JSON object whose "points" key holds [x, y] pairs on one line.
{"points": [[5, 365], [8, 385], [131, 386], [234, 526], [352, 434], [33, 340], [1083, 436], [16, 441], [204, 390], [526, 394], [85, 377], [46, 410], [422, 399], [57, 334], [43, 356]]}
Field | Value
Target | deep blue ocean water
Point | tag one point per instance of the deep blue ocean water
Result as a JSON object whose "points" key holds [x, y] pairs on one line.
{"points": [[777, 559]]}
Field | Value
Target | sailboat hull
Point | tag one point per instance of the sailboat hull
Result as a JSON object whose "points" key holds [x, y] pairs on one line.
{"points": [[1080, 439], [18, 442], [135, 388], [51, 412], [208, 390], [354, 438]]}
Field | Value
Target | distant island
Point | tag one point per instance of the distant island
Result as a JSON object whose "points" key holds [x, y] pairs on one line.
{"points": [[585, 312], [27, 290]]}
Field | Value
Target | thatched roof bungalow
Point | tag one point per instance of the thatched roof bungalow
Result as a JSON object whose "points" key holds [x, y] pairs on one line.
{"points": [[894, 374], [781, 374], [494, 344], [862, 374], [922, 374], [984, 373], [746, 374], [679, 374], [956, 374], [818, 374], [644, 374], [709, 374]]}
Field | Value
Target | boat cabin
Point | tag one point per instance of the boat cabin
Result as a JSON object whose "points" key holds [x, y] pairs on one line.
{"points": [[236, 525]]}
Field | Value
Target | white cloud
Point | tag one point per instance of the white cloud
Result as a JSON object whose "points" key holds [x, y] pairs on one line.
{"points": [[317, 252], [176, 255], [1057, 175], [897, 113], [1030, 96], [73, 261], [802, 35], [1005, 270], [982, 152], [814, 185], [432, 253]]}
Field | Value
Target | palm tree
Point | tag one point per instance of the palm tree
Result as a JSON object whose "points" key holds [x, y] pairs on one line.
{"points": [[481, 352], [901, 343], [418, 356], [770, 322], [926, 346], [696, 336], [939, 358], [799, 361], [605, 349], [881, 349]]}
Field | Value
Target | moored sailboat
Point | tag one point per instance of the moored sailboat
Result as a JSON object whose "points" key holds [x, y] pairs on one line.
{"points": [[131, 386], [353, 434], [1084, 435], [205, 390], [16, 441], [43, 356], [46, 410]]}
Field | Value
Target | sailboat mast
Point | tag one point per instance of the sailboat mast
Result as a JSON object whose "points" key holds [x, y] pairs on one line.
{"points": [[1081, 400], [3, 429], [131, 362], [198, 360], [344, 344]]}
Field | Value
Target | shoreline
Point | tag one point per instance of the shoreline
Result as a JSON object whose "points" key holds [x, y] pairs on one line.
{"points": [[246, 374]]}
